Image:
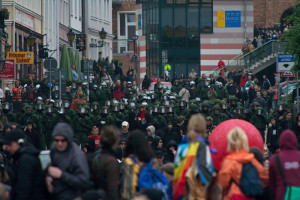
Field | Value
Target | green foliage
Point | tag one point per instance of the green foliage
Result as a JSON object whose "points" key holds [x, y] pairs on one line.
{"points": [[292, 36]]}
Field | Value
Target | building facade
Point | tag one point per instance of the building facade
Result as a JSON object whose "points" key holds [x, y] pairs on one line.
{"points": [[272, 12], [124, 26], [192, 34], [98, 15], [25, 17]]}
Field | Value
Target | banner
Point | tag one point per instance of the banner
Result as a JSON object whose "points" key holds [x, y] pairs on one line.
{"points": [[8, 70], [25, 58], [228, 19]]}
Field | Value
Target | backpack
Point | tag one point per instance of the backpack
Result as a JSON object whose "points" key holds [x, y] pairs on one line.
{"points": [[152, 178], [250, 183]]}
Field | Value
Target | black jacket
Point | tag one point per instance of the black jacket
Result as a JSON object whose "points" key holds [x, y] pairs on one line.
{"points": [[146, 83], [34, 138], [28, 181], [273, 138]]}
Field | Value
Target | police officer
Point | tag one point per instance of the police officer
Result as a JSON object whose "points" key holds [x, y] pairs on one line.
{"points": [[82, 125], [259, 121]]}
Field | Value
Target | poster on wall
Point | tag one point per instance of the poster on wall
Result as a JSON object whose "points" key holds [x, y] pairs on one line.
{"points": [[229, 19], [8, 70]]}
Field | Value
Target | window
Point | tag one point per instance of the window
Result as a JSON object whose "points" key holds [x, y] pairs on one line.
{"points": [[127, 27]]}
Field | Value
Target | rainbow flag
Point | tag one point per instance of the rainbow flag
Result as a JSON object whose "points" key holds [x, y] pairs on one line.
{"points": [[184, 159]]}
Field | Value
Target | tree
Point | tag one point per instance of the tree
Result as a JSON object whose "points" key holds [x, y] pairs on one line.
{"points": [[292, 36]]}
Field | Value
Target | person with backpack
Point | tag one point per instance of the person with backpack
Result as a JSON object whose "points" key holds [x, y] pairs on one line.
{"points": [[137, 169], [137, 153], [241, 176], [284, 168], [105, 167], [193, 163]]}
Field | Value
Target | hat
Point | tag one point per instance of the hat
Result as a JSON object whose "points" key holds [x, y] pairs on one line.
{"points": [[40, 98], [151, 128], [14, 136], [125, 123], [168, 168]]}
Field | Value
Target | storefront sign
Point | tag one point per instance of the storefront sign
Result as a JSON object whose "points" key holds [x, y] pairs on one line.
{"points": [[229, 19], [8, 70], [25, 19], [25, 58]]}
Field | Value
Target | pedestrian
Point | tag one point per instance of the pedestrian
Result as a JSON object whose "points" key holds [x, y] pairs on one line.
{"points": [[221, 65], [74, 73], [105, 167], [118, 91], [273, 135], [137, 154], [284, 168], [231, 167], [192, 75], [17, 96], [28, 178], [125, 132], [68, 175], [33, 135], [184, 93], [146, 83], [192, 159]]}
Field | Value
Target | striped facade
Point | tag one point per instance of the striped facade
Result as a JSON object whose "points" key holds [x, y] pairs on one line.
{"points": [[141, 47], [226, 43]]}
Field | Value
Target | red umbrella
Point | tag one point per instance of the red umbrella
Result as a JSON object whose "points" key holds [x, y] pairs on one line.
{"points": [[218, 138]]}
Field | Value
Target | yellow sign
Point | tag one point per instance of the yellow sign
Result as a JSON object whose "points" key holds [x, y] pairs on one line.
{"points": [[167, 67], [221, 19], [25, 58]]}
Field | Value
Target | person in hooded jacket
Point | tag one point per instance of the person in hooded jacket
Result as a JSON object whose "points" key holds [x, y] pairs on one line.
{"points": [[33, 135], [68, 176], [231, 167], [290, 161], [171, 151], [157, 144], [105, 167], [28, 178]]}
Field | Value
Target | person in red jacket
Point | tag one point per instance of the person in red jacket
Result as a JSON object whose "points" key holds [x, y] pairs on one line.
{"points": [[221, 65], [118, 91], [243, 81], [289, 158]]}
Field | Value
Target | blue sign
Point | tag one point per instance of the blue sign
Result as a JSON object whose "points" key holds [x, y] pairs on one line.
{"points": [[233, 19], [286, 58], [285, 62]]}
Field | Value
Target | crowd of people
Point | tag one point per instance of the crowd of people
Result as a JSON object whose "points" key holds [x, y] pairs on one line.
{"points": [[106, 138]]}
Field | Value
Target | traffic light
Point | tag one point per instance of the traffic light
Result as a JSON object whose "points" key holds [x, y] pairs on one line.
{"points": [[81, 42]]}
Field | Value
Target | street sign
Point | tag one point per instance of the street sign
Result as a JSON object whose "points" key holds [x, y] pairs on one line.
{"points": [[50, 61], [25, 58], [287, 74], [134, 58], [285, 62]]}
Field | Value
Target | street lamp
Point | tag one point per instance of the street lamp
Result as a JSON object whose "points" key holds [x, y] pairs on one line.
{"points": [[71, 37], [102, 35], [134, 38], [7, 48], [30, 40]]}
